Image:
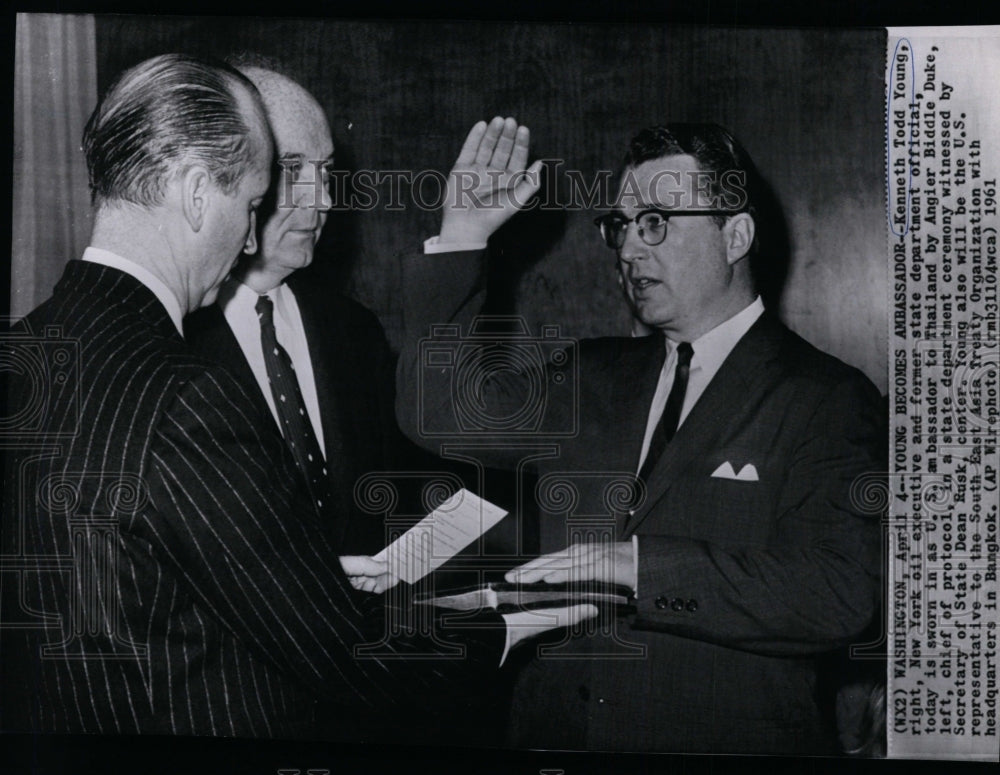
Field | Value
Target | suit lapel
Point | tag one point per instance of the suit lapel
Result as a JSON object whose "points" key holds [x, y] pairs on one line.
{"points": [[321, 336], [88, 279], [632, 386], [737, 385], [635, 380]]}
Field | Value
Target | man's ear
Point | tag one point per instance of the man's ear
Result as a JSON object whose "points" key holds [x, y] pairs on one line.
{"points": [[738, 233], [195, 192]]}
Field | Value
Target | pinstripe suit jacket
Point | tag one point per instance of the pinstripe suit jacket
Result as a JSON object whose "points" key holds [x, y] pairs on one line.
{"points": [[175, 577], [743, 586]]}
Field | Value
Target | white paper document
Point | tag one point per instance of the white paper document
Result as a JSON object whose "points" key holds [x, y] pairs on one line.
{"points": [[440, 535]]}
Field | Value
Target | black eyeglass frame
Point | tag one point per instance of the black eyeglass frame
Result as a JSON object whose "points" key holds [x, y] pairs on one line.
{"points": [[602, 221]]}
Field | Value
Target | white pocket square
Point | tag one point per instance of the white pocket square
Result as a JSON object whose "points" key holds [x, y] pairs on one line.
{"points": [[747, 474]]}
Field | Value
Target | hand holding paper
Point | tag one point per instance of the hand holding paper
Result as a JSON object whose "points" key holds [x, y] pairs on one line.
{"points": [[441, 535], [368, 574]]}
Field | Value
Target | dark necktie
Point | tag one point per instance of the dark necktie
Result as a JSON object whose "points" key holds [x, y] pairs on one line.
{"points": [[667, 426], [292, 415]]}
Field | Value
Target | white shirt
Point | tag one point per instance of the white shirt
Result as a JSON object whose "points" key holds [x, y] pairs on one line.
{"points": [[710, 350], [144, 276], [238, 303]]}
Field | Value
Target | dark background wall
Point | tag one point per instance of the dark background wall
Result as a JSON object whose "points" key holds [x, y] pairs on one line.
{"points": [[807, 104]]}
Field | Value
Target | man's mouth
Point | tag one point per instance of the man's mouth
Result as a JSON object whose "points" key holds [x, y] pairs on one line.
{"points": [[642, 283]]}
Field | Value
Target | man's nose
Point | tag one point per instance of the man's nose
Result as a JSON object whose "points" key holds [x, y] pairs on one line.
{"points": [[312, 191], [633, 248], [312, 196]]}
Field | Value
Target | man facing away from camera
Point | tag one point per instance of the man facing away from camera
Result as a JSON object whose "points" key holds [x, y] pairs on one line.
{"points": [[748, 558], [184, 582]]}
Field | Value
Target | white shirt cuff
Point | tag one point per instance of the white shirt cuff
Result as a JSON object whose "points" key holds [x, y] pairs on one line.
{"points": [[506, 645], [434, 245]]}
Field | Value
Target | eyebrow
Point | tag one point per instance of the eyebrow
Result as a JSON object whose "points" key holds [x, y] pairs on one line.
{"points": [[639, 207]]}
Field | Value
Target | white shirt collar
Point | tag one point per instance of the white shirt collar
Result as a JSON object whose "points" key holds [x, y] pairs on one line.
{"points": [[235, 295], [144, 276], [712, 348], [238, 303]]}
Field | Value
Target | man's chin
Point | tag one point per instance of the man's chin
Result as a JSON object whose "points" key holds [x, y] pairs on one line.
{"points": [[646, 314], [299, 258]]}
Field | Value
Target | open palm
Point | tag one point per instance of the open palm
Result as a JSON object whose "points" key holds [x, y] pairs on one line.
{"points": [[489, 182]]}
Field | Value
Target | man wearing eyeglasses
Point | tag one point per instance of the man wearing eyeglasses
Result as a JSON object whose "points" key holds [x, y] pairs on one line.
{"points": [[749, 558]]}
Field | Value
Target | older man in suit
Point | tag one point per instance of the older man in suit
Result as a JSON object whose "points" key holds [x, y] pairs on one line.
{"points": [[176, 574], [343, 369], [749, 558]]}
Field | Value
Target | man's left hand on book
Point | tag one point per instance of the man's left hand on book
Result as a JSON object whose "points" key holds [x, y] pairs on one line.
{"points": [[610, 562]]}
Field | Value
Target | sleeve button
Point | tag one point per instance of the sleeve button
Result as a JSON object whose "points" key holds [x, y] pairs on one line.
{"points": [[661, 603], [692, 605], [677, 604]]}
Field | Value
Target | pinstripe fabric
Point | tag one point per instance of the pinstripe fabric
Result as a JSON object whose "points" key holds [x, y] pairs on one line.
{"points": [[224, 611]]}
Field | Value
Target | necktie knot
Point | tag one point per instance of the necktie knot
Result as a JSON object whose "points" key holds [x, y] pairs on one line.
{"points": [[265, 310], [684, 354]]}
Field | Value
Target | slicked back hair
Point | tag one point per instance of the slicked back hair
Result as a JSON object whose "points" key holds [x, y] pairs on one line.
{"points": [[158, 119], [712, 146]]}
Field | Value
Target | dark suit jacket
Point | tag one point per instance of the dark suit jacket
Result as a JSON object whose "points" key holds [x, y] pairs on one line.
{"points": [[742, 585], [176, 574], [354, 374]]}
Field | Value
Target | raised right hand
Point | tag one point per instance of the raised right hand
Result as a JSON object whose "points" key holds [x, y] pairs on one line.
{"points": [[489, 182]]}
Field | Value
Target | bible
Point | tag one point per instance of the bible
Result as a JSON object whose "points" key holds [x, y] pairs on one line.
{"points": [[507, 598]]}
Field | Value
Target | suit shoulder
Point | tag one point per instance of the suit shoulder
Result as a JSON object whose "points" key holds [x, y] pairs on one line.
{"points": [[355, 314], [340, 312], [807, 362], [189, 365], [613, 346], [201, 386]]}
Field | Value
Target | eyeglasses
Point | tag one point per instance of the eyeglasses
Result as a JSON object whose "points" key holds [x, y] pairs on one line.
{"points": [[652, 224]]}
